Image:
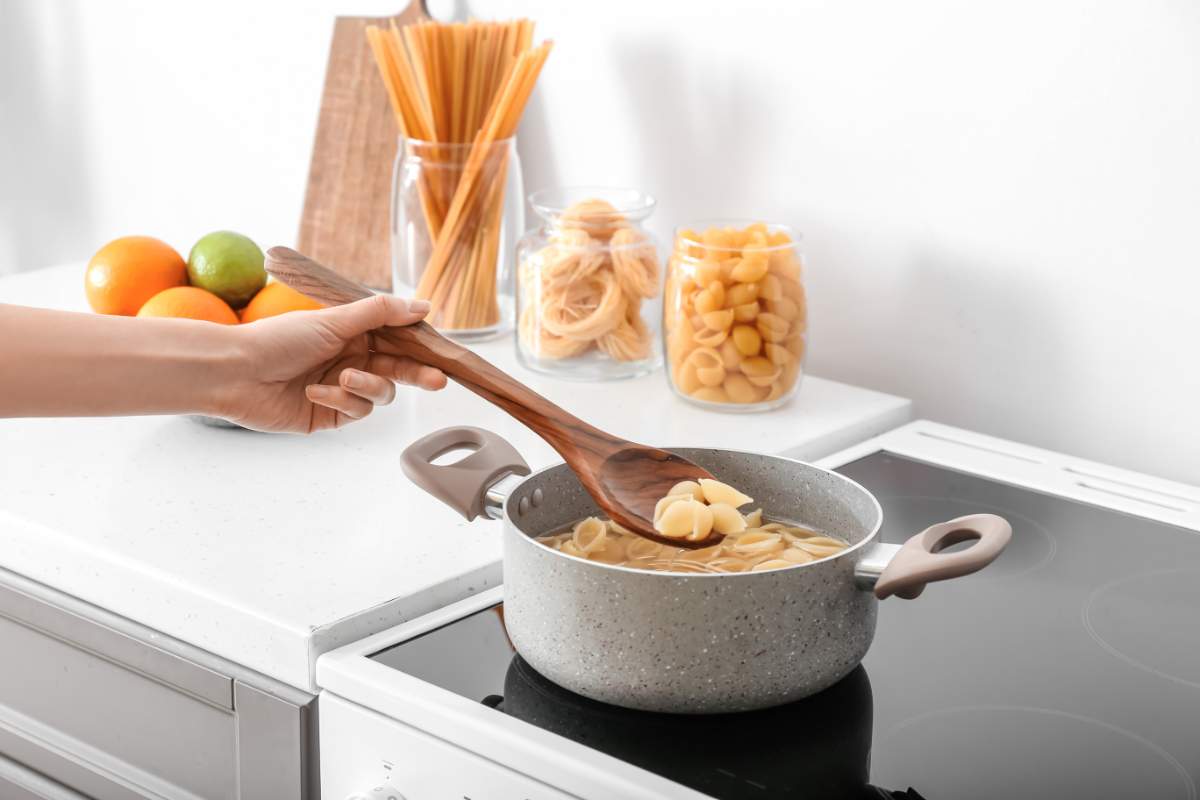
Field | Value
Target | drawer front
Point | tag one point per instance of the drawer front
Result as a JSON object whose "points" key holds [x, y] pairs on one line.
{"points": [[19, 783], [124, 723]]}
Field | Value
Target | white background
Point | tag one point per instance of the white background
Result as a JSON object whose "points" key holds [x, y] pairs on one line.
{"points": [[1000, 201]]}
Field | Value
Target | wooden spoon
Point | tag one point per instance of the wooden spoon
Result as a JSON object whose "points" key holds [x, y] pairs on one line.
{"points": [[625, 479]]}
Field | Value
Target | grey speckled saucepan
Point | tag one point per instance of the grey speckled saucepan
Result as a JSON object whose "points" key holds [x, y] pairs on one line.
{"points": [[683, 642]]}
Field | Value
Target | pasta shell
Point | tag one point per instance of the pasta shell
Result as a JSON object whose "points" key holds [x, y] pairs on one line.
{"points": [[747, 340], [678, 519], [758, 543], [589, 535], [796, 555], [711, 394], [740, 389], [687, 487], [774, 563], [644, 548], [717, 492], [726, 519], [661, 506], [702, 521], [754, 518]]}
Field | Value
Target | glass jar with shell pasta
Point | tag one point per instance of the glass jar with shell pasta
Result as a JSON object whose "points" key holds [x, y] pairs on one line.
{"points": [[735, 316], [589, 282]]}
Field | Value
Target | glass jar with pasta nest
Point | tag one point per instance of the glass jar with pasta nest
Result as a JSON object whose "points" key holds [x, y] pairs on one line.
{"points": [[456, 214], [735, 316], [588, 285]]}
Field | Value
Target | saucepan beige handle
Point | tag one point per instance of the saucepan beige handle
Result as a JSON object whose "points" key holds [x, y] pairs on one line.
{"points": [[464, 484], [920, 560]]}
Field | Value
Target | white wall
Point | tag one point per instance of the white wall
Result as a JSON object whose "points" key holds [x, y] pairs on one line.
{"points": [[1000, 200]]}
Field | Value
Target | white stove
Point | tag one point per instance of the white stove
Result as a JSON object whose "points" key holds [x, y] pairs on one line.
{"points": [[1070, 667]]}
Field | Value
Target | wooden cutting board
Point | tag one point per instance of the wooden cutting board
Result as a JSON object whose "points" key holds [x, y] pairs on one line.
{"points": [[347, 206]]}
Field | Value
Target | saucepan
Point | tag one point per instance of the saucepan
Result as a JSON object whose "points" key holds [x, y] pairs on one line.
{"points": [[687, 642]]}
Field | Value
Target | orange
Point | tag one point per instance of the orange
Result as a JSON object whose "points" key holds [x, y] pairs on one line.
{"points": [[127, 272], [189, 302], [277, 298]]}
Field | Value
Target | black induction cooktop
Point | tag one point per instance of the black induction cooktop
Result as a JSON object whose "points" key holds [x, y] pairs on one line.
{"points": [[1069, 668]]}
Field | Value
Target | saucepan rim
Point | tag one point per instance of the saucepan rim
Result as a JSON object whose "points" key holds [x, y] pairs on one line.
{"points": [[866, 541]]}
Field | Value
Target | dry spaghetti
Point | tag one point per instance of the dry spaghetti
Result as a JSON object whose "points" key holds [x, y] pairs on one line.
{"points": [[453, 84]]}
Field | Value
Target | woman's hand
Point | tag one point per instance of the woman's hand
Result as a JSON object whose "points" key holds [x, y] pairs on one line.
{"points": [[310, 370]]}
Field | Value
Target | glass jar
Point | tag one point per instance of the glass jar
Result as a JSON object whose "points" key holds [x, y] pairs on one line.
{"points": [[456, 214], [735, 317], [588, 285]]}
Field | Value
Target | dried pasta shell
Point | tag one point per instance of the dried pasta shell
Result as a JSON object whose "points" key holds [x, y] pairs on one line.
{"points": [[772, 328], [686, 379], [777, 390], [706, 273], [710, 338], [747, 312], [740, 389], [785, 308], [747, 340], [770, 288], [726, 519], [717, 492], [754, 518], [710, 299], [710, 394], [730, 357], [718, 320], [751, 268], [760, 371], [777, 354], [740, 294]]}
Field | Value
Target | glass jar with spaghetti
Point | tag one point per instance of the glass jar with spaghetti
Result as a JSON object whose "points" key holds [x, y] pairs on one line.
{"points": [[588, 285], [735, 316], [456, 217]]}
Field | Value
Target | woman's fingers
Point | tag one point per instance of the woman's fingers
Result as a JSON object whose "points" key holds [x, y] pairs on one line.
{"points": [[406, 370], [381, 310], [339, 399], [378, 390]]}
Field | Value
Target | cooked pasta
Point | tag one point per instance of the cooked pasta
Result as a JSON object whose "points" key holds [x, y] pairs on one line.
{"points": [[584, 290], [691, 510]]}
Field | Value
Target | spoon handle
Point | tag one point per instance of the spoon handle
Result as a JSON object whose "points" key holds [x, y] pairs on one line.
{"points": [[570, 436]]}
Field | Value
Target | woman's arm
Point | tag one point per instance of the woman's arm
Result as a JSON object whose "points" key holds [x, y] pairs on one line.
{"points": [[302, 371]]}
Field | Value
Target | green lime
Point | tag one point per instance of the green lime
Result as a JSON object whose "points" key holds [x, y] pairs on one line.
{"points": [[229, 265]]}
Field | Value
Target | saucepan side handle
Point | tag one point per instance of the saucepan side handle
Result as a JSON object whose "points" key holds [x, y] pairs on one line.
{"points": [[464, 484], [920, 561]]}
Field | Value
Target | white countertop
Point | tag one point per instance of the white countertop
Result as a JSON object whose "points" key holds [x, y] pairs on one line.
{"points": [[269, 550]]}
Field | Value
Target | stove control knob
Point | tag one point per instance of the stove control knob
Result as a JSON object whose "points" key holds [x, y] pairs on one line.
{"points": [[384, 792]]}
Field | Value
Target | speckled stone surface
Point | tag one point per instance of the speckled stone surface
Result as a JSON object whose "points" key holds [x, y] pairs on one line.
{"points": [[693, 643]]}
